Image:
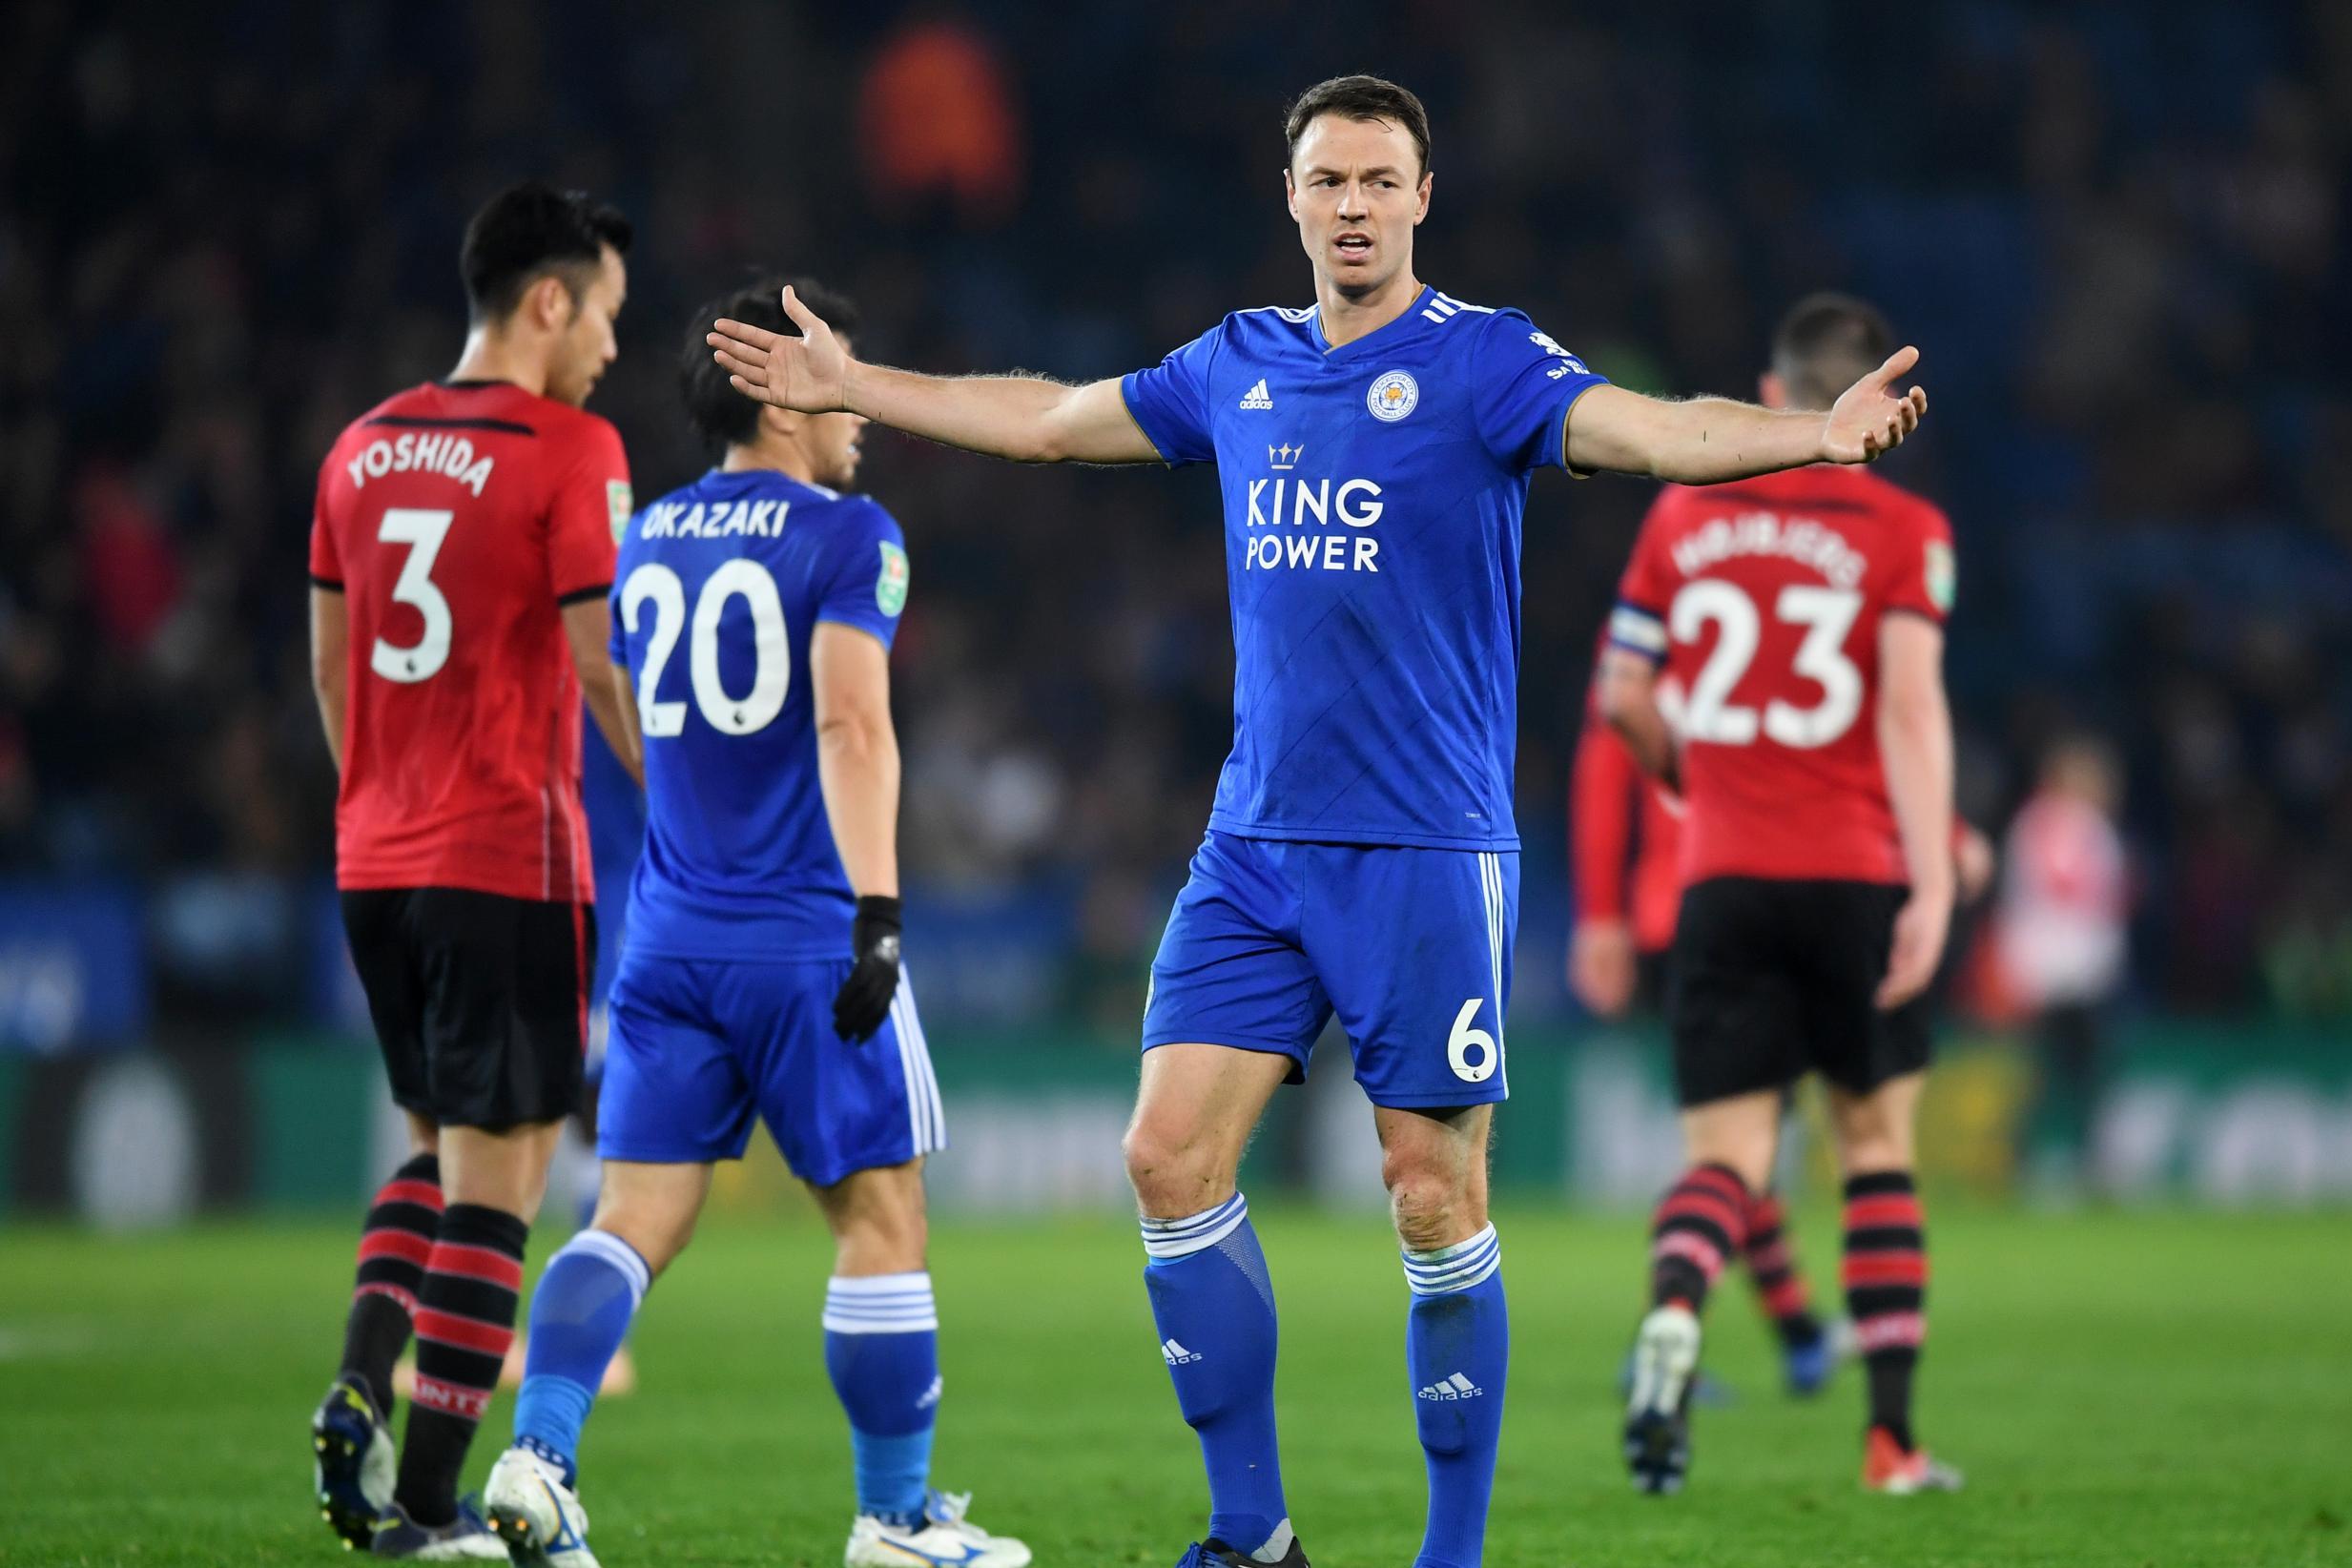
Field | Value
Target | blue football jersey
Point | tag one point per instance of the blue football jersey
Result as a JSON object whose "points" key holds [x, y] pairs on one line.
{"points": [[1372, 497], [718, 589]]}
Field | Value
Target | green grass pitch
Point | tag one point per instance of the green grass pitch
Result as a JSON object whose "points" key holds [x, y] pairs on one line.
{"points": [[2158, 1390]]}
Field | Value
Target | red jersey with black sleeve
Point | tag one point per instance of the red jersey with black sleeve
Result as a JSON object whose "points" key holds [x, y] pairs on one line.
{"points": [[1762, 599], [458, 519]]}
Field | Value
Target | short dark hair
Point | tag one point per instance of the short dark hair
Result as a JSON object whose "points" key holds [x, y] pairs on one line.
{"points": [[1826, 342], [528, 230], [1358, 99], [720, 415]]}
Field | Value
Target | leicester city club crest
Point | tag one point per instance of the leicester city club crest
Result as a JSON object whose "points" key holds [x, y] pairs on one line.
{"points": [[1394, 395]]}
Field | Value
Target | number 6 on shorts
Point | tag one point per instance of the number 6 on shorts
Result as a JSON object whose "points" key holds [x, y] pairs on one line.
{"points": [[1465, 1039]]}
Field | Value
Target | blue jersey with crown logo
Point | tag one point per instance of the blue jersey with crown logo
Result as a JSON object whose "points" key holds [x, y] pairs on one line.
{"points": [[718, 589], [1372, 497]]}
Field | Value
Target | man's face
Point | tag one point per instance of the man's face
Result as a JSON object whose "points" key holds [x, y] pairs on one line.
{"points": [[832, 442], [1357, 189], [587, 343]]}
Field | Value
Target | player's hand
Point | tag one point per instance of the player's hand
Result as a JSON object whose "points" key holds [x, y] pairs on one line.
{"points": [[1872, 419], [863, 1001], [1973, 864], [1600, 966], [808, 373], [1919, 933]]}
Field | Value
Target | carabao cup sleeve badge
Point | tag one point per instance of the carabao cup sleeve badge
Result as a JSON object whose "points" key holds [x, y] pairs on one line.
{"points": [[890, 588]]}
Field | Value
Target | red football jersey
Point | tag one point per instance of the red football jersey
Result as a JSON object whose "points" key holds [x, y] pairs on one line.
{"points": [[459, 519], [1763, 600]]}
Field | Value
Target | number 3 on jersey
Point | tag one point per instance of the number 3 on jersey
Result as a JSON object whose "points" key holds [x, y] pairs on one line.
{"points": [[1826, 615], [772, 671], [423, 531]]}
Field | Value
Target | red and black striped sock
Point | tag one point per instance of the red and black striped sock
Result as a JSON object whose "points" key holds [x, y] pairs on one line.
{"points": [[1699, 1226], [464, 1323], [1780, 1284], [1887, 1289], [393, 1246]]}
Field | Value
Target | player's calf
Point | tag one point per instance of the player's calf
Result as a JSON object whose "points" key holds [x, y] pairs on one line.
{"points": [[1885, 1275], [580, 1313], [395, 1241], [1212, 1302], [1699, 1226], [465, 1312], [1807, 1353], [1457, 1355]]}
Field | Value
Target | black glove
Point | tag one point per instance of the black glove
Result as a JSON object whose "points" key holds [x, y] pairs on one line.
{"points": [[864, 998]]}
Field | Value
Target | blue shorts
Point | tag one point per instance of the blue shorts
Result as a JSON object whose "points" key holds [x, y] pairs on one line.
{"points": [[698, 1048], [1410, 947]]}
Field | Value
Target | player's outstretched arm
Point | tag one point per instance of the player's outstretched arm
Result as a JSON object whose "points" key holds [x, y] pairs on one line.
{"points": [[1027, 419], [330, 664], [1707, 440], [1914, 737]]}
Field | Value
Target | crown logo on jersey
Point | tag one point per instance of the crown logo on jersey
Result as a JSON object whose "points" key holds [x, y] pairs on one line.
{"points": [[1283, 457]]}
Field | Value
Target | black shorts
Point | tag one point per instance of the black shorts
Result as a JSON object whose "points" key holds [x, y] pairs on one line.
{"points": [[480, 1001], [1651, 968], [1772, 980]]}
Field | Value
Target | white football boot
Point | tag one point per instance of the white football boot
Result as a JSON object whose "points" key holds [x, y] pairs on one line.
{"points": [[1665, 1365], [535, 1513], [944, 1539]]}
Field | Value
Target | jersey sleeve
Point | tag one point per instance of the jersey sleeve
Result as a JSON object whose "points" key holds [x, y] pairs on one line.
{"points": [[1170, 402], [866, 580], [1524, 385], [589, 506], [1602, 797], [327, 562], [1926, 577], [1644, 595]]}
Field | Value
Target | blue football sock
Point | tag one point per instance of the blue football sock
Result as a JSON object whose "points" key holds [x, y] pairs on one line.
{"points": [[1458, 1348], [882, 1351], [1214, 1305], [580, 1313]]}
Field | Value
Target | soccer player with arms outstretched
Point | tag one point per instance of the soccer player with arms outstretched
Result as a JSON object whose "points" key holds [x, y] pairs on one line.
{"points": [[459, 559], [753, 614], [1801, 616], [1374, 450]]}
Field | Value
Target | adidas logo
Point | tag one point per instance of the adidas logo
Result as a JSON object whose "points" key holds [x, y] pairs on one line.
{"points": [[1257, 397], [1177, 1356], [1457, 1387], [931, 1395]]}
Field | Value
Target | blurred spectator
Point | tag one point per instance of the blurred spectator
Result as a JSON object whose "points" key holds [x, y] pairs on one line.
{"points": [[935, 117], [2063, 911]]}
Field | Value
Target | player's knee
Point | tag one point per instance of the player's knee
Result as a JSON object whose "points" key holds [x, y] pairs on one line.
{"points": [[423, 1135], [1172, 1176], [1431, 1205], [1874, 1152], [883, 1241], [1750, 1158], [1874, 1138], [655, 1232]]}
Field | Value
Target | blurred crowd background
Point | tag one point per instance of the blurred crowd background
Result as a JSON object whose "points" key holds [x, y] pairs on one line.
{"points": [[2117, 230]]}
